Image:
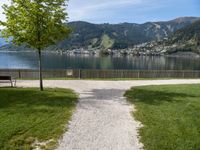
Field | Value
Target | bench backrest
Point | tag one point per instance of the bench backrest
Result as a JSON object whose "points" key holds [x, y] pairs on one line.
{"points": [[5, 78]]}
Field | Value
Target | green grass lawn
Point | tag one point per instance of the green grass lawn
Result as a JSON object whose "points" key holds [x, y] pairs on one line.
{"points": [[28, 116], [170, 115]]}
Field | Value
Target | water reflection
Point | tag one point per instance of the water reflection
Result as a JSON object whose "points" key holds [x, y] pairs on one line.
{"points": [[57, 61]]}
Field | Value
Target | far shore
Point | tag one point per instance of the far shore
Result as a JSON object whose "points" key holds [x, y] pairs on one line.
{"points": [[176, 54]]}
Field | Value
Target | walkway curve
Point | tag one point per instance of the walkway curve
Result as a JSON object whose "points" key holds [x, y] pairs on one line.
{"points": [[102, 120]]}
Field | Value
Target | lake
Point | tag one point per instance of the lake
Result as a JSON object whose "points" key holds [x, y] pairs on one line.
{"points": [[29, 60]]}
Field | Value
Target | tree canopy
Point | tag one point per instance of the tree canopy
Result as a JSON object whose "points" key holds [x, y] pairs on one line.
{"points": [[37, 23]]}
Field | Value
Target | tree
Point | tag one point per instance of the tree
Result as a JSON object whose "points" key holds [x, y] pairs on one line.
{"points": [[36, 23]]}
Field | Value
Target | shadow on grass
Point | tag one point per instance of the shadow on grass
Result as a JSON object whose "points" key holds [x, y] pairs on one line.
{"points": [[153, 97], [29, 113], [14, 97]]}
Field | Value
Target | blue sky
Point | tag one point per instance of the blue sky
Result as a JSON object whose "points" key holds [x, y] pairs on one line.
{"points": [[137, 11]]}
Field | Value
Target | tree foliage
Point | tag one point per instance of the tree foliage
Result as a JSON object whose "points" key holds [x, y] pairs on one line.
{"points": [[38, 23]]}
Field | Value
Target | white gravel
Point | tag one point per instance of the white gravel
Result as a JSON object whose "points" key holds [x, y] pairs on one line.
{"points": [[102, 120]]}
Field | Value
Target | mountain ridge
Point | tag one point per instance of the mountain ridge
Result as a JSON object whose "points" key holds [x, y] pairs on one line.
{"points": [[124, 34], [118, 36], [186, 39]]}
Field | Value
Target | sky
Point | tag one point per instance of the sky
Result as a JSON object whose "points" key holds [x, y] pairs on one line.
{"points": [[133, 11]]}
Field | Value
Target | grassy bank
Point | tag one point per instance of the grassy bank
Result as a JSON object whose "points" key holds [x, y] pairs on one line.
{"points": [[170, 115], [29, 116]]}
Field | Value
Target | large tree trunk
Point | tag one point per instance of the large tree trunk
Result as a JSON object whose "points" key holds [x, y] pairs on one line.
{"points": [[40, 69]]}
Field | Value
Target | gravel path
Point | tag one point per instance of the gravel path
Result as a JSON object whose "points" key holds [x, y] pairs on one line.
{"points": [[102, 120]]}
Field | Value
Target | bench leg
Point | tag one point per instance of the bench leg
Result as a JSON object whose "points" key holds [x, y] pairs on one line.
{"points": [[11, 84]]}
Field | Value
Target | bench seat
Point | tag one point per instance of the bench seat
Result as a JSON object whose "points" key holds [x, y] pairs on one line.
{"points": [[8, 79]]}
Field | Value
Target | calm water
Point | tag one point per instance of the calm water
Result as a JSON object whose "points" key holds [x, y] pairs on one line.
{"points": [[56, 61]]}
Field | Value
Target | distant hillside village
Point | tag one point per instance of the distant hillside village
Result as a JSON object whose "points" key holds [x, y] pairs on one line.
{"points": [[138, 50], [144, 49], [151, 38]]}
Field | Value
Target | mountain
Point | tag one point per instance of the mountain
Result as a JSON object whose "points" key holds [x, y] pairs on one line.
{"points": [[185, 39], [2, 42], [118, 36], [121, 35]]}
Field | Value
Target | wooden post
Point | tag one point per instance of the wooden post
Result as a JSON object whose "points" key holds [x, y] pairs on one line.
{"points": [[79, 73], [183, 74], [138, 74]]}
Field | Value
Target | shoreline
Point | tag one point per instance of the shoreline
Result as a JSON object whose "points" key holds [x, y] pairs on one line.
{"points": [[177, 54]]}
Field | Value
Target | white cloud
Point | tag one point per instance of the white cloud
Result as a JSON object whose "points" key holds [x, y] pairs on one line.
{"points": [[102, 10], [1, 10], [115, 11], [79, 10], [2, 17]]}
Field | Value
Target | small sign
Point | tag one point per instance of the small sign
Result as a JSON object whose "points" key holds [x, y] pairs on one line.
{"points": [[69, 72]]}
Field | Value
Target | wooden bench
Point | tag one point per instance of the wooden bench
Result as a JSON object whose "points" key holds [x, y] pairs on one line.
{"points": [[8, 79]]}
